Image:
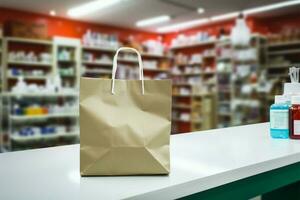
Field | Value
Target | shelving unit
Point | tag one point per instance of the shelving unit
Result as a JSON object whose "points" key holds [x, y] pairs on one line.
{"points": [[1, 85], [195, 45], [68, 61], [237, 82], [15, 121], [280, 57], [206, 96], [49, 66], [97, 62], [1, 64], [194, 89], [12, 63], [42, 117]]}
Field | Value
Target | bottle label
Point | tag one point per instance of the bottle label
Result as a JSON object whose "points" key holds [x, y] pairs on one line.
{"points": [[296, 127], [279, 119]]}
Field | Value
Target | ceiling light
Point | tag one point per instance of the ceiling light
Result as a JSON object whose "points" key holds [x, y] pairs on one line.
{"points": [[153, 20], [52, 12], [225, 16], [270, 7], [190, 24], [200, 10], [184, 25], [91, 7]]}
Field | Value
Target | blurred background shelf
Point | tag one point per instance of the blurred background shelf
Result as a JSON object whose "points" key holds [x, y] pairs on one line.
{"points": [[213, 71], [42, 117], [39, 137]]}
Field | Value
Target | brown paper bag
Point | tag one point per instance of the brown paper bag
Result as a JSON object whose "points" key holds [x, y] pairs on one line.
{"points": [[125, 125]]}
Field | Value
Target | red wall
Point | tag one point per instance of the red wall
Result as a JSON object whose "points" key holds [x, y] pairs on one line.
{"points": [[280, 23], [214, 28], [263, 25], [70, 28]]}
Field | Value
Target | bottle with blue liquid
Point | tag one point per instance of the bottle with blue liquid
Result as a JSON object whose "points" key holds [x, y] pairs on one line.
{"points": [[279, 117]]}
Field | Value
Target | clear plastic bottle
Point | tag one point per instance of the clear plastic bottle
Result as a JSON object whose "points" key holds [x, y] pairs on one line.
{"points": [[279, 118]]}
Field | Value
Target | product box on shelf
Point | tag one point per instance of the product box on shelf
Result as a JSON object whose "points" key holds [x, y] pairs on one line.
{"points": [[26, 29]]}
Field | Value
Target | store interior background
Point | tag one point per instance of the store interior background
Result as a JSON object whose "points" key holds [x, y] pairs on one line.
{"points": [[216, 83]]}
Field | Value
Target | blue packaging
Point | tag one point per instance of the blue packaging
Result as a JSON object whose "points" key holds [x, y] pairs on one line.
{"points": [[279, 118]]}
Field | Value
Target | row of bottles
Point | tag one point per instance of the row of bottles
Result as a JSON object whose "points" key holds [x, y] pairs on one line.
{"points": [[285, 117]]}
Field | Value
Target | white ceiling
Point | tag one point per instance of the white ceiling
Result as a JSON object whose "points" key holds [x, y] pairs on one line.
{"points": [[126, 13]]}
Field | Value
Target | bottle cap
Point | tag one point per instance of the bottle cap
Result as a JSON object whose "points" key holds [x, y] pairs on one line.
{"points": [[295, 99], [280, 99]]}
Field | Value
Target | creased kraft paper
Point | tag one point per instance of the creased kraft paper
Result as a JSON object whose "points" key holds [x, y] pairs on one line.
{"points": [[126, 133]]}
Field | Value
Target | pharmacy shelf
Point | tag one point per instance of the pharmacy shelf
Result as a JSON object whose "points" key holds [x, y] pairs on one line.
{"points": [[113, 50], [198, 44], [187, 121], [97, 71], [98, 63], [40, 95], [41, 117], [37, 137], [97, 48], [189, 64], [281, 66], [66, 61], [195, 73], [68, 76], [39, 64], [151, 55], [277, 76], [180, 106], [31, 41], [208, 73], [181, 120], [280, 44], [183, 84], [188, 74], [29, 77], [192, 95], [244, 61], [284, 52], [209, 56], [224, 114], [156, 70], [224, 59], [109, 63], [133, 61]]}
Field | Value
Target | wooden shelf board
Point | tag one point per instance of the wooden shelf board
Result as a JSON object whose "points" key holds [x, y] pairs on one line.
{"points": [[98, 63], [38, 117], [98, 71], [97, 48], [35, 137], [284, 52], [203, 43], [287, 43], [29, 77], [10, 94], [191, 95], [178, 106], [27, 40], [156, 69], [40, 64], [156, 56]]}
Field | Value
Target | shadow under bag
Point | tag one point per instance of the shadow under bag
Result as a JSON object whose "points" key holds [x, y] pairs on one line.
{"points": [[125, 125]]}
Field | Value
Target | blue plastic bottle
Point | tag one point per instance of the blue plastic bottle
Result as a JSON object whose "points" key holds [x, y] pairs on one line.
{"points": [[279, 118]]}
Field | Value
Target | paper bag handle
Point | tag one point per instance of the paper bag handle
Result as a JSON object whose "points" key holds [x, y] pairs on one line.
{"points": [[115, 65]]}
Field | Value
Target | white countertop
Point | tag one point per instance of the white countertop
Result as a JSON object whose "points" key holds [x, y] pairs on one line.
{"points": [[199, 161]]}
